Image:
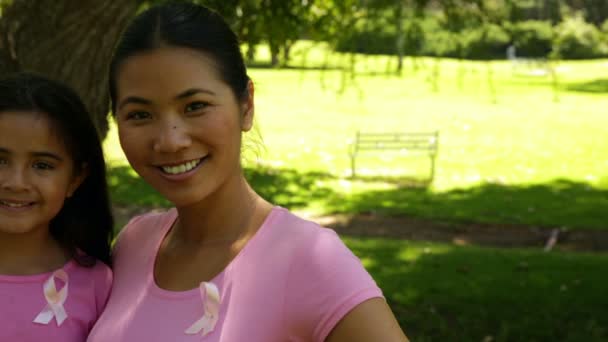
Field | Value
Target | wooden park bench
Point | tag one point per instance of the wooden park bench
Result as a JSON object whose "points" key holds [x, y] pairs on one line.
{"points": [[425, 143]]}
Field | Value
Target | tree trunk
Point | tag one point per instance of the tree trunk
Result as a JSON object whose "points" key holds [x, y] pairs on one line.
{"points": [[67, 40], [400, 35], [274, 54]]}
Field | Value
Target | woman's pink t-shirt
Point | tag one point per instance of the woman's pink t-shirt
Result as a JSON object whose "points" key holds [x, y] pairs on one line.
{"points": [[293, 281], [22, 299]]}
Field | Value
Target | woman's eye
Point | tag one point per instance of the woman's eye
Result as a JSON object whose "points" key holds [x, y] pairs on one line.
{"points": [[43, 166], [138, 115], [195, 106], [3, 161]]}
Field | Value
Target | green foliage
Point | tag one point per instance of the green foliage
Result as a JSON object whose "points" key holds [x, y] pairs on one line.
{"points": [[486, 42], [370, 35], [532, 38], [577, 39], [4, 4], [426, 36], [443, 43]]}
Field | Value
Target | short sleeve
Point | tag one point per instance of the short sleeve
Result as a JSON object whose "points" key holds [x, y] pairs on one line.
{"points": [[325, 282]]}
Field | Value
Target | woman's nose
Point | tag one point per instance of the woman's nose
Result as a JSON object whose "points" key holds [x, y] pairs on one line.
{"points": [[172, 137]]}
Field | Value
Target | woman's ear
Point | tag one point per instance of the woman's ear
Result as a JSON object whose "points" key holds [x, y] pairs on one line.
{"points": [[79, 176], [248, 109]]}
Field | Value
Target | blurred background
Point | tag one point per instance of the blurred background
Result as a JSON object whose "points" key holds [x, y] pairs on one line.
{"points": [[479, 205]]}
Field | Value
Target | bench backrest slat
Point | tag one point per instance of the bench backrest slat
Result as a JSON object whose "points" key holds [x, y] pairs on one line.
{"points": [[406, 141]]}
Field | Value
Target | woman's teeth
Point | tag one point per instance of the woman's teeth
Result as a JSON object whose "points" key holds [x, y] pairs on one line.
{"points": [[177, 169]]}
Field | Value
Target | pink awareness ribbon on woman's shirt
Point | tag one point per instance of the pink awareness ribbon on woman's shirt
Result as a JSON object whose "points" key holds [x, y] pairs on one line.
{"points": [[211, 297], [54, 299]]}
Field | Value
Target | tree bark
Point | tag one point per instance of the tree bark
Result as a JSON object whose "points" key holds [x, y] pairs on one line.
{"points": [[66, 40], [400, 35]]}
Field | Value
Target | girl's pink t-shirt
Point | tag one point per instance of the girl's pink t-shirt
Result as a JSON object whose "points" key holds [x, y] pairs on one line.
{"points": [[22, 299], [293, 281]]}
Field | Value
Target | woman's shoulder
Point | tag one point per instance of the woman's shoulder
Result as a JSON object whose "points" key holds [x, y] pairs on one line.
{"points": [[310, 241], [290, 223], [141, 234], [325, 279], [146, 224]]}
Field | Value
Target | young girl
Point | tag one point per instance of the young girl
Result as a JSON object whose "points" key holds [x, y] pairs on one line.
{"points": [[224, 264], [55, 219]]}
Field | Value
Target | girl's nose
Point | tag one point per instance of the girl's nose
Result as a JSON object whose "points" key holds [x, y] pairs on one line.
{"points": [[14, 179]]}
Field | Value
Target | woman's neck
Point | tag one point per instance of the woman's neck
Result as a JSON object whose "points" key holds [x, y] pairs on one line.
{"points": [[225, 215], [30, 253]]}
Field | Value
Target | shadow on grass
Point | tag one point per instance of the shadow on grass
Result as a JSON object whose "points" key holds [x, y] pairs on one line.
{"points": [[291, 189], [598, 86], [560, 203], [448, 293], [128, 189], [405, 181]]}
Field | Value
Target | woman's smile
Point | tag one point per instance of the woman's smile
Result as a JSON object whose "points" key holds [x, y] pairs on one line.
{"points": [[182, 170]]}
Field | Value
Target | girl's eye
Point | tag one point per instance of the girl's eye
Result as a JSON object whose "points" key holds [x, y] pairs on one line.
{"points": [[138, 115], [3, 161], [43, 166], [195, 106]]}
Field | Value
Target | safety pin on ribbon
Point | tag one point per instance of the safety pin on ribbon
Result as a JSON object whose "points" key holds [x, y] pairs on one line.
{"points": [[211, 297], [55, 300]]}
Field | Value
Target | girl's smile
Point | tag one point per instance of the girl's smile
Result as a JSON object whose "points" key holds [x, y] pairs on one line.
{"points": [[16, 206]]}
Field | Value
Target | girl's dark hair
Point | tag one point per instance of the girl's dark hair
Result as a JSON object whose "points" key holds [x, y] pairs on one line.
{"points": [[186, 25], [84, 225]]}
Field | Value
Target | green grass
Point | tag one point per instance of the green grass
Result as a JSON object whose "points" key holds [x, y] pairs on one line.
{"points": [[450, 293], [509, 153]]}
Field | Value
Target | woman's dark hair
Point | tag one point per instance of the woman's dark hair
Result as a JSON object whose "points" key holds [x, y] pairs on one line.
{"points": [[84, 225], [186, 25]]}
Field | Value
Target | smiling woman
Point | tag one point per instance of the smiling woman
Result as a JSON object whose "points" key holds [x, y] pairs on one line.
{"points": [[180, 129], [226, 263]]}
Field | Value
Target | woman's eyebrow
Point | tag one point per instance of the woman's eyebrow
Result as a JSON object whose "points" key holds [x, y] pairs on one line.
{"points": [[133, 99], [193, 91], [182, 95]]}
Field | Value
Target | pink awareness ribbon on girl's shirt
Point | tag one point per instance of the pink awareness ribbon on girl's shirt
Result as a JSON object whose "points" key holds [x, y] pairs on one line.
{"points": [[54, 299], [211, 297]]}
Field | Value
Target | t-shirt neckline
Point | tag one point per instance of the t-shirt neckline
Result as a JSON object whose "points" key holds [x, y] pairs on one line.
{"points": [[32, 278], [167, 223]]}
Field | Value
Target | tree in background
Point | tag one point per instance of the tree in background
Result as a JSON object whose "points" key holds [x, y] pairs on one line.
{"points": [[66, 40]]}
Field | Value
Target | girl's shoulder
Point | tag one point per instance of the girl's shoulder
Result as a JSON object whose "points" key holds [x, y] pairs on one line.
{"points": [[98, 278], [99, 275]]}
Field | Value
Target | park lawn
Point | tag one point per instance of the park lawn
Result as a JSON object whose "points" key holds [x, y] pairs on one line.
{"points": [[464, 293], [514, 148]]}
